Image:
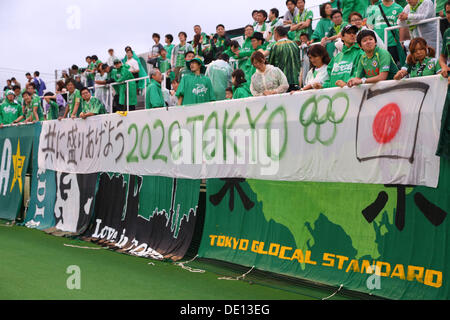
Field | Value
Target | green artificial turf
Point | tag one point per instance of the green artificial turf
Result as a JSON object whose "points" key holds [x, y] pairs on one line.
{"points": [[33, 266]]}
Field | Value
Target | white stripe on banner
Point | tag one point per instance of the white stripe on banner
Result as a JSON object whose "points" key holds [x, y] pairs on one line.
{"points": [[381, 134]]}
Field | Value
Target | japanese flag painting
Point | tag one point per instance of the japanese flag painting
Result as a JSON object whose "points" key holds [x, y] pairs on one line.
{"points": [[388, 123], [396, 128]]}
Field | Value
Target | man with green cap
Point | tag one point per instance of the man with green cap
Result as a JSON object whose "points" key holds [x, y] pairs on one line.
{"points": [[154, 96], [195, 88], [344, 65], [121, 73], [10, 110]]}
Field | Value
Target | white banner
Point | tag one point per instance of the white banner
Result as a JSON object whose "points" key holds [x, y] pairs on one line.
{"points": [[381, 134]]}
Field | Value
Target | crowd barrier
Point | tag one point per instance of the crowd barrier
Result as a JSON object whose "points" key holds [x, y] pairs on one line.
{"points": [[388, 239]]}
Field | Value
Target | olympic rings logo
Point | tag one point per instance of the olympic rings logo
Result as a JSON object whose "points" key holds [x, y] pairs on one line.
{"points": [[310, 115]]}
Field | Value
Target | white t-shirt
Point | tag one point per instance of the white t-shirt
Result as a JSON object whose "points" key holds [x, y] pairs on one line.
{"points": [[319, 75], [134, 66]]}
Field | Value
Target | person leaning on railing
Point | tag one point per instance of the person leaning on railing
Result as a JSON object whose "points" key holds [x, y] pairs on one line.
{"points": [[90, 105], [375, 64], [10, 110], [154, 96], [344, 65], [268, 79], [318, 74], [420, 62], [73, 107]]}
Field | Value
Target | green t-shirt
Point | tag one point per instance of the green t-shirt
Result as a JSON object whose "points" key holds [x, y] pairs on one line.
{"points": [[242, 92], [72, 99], [163, 64], [428, 67], [181, 61], [94, 106], [169, 49], [302, 17], [29, 109], [154, 96], [322, 28], [343, 66], [381, 61], [195, 89], [53, 111], [379, 24], [10, 111], [440, 6]]}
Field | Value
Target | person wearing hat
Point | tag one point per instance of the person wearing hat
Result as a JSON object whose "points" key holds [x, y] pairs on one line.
{"points": [[376, 64], [285, 54], [195, 88], [121, 73], [154, 97], [10, 110], [344, 65]]}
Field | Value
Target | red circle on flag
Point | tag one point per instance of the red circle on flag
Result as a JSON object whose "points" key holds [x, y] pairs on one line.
{"points": [[387, 123]]}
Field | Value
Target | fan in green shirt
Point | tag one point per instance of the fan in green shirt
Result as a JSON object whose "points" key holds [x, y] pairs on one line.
{"points": [[90, 106], [324, 24], [122, 73], [302, 22], [195, 88], [349, 6], [333, 33], [241, 87], [73, 107], [376, 64], [420, 61], [154, 96], [392, 10], [32, 107], [53, 110], [343, 66], [10, 110]]}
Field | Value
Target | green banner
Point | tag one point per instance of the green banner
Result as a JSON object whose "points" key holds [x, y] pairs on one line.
{"points": [[389, 241], [15, 149]]}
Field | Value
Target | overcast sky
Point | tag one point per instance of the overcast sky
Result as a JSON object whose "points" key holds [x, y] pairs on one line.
{"points": [[46, 35]]}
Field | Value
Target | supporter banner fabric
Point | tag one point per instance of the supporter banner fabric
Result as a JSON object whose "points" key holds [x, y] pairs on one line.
{"points": [[390, 241], [40, 214], [150, 217], [382, 134], [15, 148]]}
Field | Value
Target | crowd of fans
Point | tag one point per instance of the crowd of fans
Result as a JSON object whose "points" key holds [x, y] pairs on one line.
{"points": [[276, 55]]}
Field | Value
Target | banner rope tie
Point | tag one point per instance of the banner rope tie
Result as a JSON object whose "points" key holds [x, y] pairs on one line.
{"points": [[237, 278], [184, 267], [340, 287]]}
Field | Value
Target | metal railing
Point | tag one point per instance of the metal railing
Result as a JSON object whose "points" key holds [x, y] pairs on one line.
{"points": [[430, 20]]}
